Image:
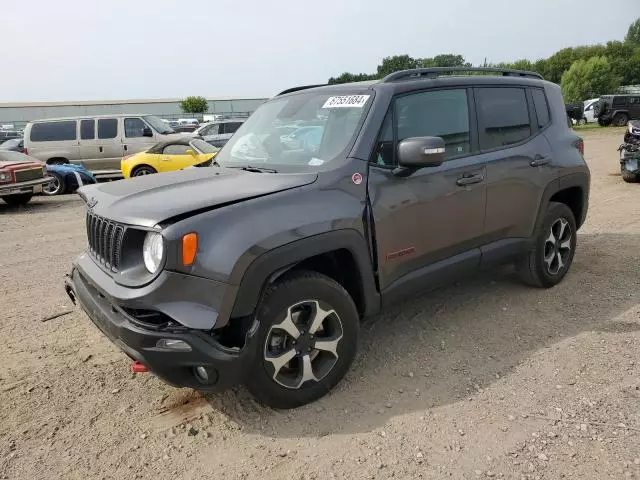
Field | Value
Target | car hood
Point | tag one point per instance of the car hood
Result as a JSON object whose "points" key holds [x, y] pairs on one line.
{"points": [[151, 199], [16, 164]]}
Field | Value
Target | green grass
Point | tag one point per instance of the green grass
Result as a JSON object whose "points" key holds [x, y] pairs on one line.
{"points": [[595, 126]]}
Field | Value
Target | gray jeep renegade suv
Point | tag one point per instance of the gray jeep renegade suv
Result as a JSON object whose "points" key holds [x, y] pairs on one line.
{"points": [[258, 269]]}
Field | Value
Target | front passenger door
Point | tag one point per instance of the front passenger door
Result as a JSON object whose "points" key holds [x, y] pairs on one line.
{"points": [[429, 224]]}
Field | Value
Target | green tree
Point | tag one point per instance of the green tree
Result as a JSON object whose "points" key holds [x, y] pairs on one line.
{"points": [[589, 79], [347, 77], [194, 105], [444, 60], [395, 64], [623, 58], [633, 34]]}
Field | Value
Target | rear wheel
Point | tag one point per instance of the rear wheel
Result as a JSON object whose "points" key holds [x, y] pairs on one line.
{"points": [[143, 170], [20, 199], [551, 255], [620, 120], [306, 340], [56, 187]]}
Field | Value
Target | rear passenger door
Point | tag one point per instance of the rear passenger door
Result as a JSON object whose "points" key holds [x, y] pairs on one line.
{"points": [[511, 128]]}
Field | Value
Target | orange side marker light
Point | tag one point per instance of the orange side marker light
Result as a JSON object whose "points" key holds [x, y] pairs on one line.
{"points": [[189, 248]]}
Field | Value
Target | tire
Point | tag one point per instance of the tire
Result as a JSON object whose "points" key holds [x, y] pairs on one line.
{"points": [[143, 170], [15, 200], [532, 268], [279, 383], [582, 121], [57, 161], [628, 176], [56, 187], [620, 120]]}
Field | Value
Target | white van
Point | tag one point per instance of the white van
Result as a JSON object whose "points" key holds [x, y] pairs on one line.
{"points": [[98, 142]]}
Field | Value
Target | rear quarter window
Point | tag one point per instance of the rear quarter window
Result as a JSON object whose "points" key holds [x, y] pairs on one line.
{"points": [[541, 106], [53, 131], [620, 101]]}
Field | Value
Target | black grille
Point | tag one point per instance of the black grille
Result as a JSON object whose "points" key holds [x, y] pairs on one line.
{"points": [[28, 174], [105, 240]]}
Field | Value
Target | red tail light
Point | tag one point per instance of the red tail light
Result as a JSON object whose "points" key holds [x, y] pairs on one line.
{"points": [[579, 144], [25, 151]]}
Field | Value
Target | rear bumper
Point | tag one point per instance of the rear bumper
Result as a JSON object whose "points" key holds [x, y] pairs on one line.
{"points": [[32, 186], [225, 367]]}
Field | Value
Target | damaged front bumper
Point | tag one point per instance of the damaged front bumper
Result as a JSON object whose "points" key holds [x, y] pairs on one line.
{"points": [[181, 356]]}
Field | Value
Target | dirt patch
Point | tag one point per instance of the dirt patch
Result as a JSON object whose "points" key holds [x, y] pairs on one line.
{"points": [[482, 379]]}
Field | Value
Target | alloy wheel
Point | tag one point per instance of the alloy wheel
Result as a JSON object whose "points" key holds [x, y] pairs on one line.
{"points": [[557, 246], [142, 171], [53, 187], [304, 345]]}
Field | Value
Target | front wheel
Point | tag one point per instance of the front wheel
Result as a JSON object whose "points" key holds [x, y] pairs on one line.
{"points": [[551, 255], [56, 186], [305, 342], [20, 199]]}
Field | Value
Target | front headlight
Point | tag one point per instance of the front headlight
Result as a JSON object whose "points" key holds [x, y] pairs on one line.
{"points": [[153, 251], [5, 176]]}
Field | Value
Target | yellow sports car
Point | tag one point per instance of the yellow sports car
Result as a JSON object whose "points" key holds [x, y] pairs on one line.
{"points": [[174, 154]]}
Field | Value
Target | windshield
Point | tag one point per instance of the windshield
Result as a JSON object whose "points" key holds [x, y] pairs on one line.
{"points": [[203, 146], [158, 125], [14, 142], [326, 125]]}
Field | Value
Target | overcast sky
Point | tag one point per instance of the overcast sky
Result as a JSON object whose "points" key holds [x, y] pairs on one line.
{"points": [[121, 49]]}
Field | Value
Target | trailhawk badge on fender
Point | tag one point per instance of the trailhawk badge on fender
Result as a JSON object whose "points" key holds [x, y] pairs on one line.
{"points": [[356, 178]]}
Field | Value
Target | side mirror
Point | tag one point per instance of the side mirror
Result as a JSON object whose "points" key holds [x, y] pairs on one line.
{"points": [[190, 152], [146, 132]]}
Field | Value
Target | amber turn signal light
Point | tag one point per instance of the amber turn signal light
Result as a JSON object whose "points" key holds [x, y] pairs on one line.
{"points": [[189, 248]]}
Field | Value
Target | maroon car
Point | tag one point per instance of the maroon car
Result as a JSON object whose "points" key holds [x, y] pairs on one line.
{"points": [[20, 177]]}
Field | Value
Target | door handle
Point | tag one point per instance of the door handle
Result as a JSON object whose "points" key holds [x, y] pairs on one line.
{"points": [[469, 180], [125, 148], [540, 161], [100, 149]]}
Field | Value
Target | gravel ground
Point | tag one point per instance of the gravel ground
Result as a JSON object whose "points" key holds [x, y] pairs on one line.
{"points": [[483, 379]]}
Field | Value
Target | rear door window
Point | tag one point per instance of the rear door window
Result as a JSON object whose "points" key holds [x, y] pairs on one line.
{"points": [[87, 129], [503, 117], [53, 131], [107, 128]]}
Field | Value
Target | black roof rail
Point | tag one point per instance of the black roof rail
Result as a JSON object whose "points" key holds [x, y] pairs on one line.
{"points": [[435, 72], [296, 89]]}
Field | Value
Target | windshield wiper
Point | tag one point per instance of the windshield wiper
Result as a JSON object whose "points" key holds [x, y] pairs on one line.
{"points": [[249, 168]]}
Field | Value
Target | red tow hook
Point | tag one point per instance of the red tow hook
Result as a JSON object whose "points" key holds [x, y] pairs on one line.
{"points": [[137, 367]]}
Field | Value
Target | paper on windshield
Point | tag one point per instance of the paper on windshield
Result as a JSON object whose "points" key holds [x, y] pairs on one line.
{"points": [[346, 101]]}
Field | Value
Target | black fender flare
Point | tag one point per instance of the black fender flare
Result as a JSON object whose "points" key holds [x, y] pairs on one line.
{"points": [[267, 266], [580, 179]]}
